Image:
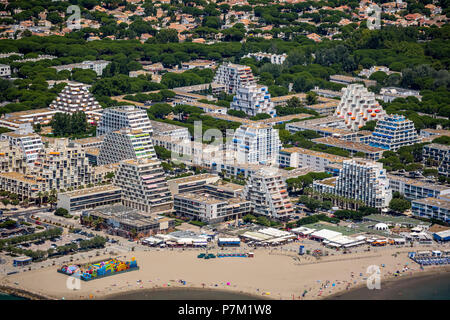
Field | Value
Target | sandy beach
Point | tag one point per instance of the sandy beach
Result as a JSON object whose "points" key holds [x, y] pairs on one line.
{"points": [[272, 274]]}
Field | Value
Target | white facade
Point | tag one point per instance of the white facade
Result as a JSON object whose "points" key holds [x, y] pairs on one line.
{"points": [[252, 100], [364, 180], [300, 158], [30, 143], [267, 192], [255, 144], [274, 58], [234, 76], [116, 118], [126, 144], [75, 97], [393, 132], [357, 106], [5, 70], [98, 66], [144, 186]]}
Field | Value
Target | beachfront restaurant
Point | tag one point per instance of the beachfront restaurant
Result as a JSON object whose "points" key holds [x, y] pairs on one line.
{"points": [[323, 235], [152, 241], [268, 236], [344, 241]]}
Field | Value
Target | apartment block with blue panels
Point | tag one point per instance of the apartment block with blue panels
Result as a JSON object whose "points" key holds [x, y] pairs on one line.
{"points": [[432, 208], [393, 132]]}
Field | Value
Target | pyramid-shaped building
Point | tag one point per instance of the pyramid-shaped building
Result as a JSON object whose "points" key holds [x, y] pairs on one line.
{"points": [[75, 97], [357, 106]]}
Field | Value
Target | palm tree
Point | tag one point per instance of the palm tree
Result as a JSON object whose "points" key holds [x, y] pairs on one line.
{"points": [[40, 195]]}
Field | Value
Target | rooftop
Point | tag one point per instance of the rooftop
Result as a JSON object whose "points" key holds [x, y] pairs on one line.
{"points": [[435, 202], [417, 182], [93, 190], [330, 157], [357, 146], [124, 215], [160, 127], [193, 178]]}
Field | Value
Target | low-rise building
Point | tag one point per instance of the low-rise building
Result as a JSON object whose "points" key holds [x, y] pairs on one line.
{"points": [[353, 147], [5, 70], [432, 208], [389, 94], [298, 157], [191, 183], [206, 208], [337, 78], [97, 66], [413, 189], [272, 57], [89, 198], [127, 222]]}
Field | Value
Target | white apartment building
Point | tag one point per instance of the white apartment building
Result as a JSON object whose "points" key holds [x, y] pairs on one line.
{"points": [[357, 106], [440, 154], [299, 158], [389, 94], [273, 58], [144, 186], [206, 208], [267, 191], [116, 118], [234, 76], [255, 144], [30, 143], [75, 97], [252, 100], [393, 132], [360, 179], [126, 144], [190, 152], [98, 66], [5, 70], [413, 189], [432, 208]]}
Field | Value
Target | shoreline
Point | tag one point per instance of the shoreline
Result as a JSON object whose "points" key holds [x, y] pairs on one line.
{"points": [[19, 292], [117, 296], [437, 272]]}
